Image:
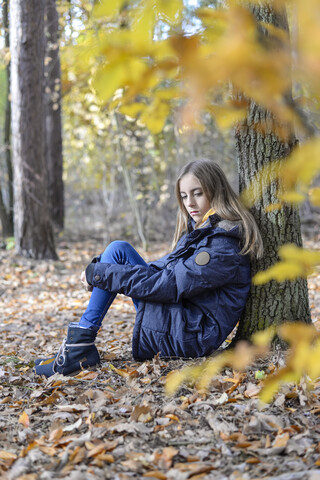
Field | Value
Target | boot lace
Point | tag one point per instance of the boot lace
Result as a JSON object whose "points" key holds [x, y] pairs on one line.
{"points": [[61, 356]]}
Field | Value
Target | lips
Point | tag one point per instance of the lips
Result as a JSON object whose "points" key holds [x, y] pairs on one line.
{"points": [[195, 212]]}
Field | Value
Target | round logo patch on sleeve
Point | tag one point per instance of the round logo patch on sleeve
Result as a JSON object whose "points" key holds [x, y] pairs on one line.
{"points": [[202, 258]]}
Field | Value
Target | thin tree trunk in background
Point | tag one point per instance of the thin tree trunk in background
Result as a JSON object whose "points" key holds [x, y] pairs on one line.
{"points": [[6, 213], [272, 303], [33, 229], [53, 150], [130, 189]]}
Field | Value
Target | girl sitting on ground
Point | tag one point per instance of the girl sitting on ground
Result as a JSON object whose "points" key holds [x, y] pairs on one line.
{"points": [[188, 301]]}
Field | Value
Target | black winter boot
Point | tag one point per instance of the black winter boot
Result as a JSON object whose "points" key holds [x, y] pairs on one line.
{"points": [[77, 352]]}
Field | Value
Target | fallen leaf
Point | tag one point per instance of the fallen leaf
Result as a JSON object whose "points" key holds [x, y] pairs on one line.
{"points": [[5, 455], [24, 419], [155, 474], [87, 375], [141, 414], [281, 440]]}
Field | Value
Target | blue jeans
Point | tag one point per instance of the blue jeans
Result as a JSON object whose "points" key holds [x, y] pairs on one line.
{"points": [[117, 252]]}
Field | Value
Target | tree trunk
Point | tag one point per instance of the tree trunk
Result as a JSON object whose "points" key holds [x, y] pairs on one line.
{"points": [[33, 229], [53, 146], [258, 146], [6, 213]]}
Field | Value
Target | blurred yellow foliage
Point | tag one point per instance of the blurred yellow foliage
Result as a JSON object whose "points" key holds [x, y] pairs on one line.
{"points": [[295, 174], [226, 53], [303, 359], [144, 64], [295, 262]]}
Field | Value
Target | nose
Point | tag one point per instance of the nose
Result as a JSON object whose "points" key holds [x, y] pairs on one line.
{"points": [[190, 201]]}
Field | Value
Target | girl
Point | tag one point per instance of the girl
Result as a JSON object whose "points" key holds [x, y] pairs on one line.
{"points": [[188, 301]]}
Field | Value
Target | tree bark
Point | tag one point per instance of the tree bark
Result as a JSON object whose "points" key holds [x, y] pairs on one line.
{"points": [[53, 146], [258, 146], [33, 230], [6, 212]]}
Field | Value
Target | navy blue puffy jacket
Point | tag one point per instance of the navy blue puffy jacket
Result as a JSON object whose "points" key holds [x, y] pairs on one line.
{"points": [[188, 303]]}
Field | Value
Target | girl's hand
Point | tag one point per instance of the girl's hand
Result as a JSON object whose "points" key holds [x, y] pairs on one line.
{"points": [[84, 282]]}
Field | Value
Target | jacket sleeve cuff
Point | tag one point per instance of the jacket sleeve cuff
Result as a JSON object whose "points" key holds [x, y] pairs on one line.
{"points": [[89, 273]]}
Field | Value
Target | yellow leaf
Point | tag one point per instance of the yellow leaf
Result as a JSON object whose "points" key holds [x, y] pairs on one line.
{"points": [[263, 339], [272, 383], [174, 381], [314, 195], [303, 164], [212, 367], [296, 262], [296, 332], [116, 75], [262, 180], [281, 271], [226, 116], [168, 93], [107, 8], [292, 197], [308, 258], [24, 419], [132, 110], [314, 360], [272, 207], [170, 10], [144, 23], [155, 116]]}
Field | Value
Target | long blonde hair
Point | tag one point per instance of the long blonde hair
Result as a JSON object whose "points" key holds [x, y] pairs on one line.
{"points": [[223, 200]]}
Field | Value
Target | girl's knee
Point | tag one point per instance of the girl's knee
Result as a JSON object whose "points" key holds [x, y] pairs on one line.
{"points": [[115, 248]]}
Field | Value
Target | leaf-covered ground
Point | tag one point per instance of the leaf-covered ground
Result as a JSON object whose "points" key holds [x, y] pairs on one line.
{"points": [[116, 422]]}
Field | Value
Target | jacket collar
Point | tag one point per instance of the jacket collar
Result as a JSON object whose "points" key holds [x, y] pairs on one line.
{"points": [[213, 219]]}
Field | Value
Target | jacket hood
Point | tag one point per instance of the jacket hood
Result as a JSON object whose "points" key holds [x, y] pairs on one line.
{"points": [[231, 227]]}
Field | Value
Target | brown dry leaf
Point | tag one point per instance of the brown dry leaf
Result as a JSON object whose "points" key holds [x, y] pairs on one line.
{"points": [[70, 418], [28, 476], [253, 460], [87, 375], [194, 468], [252, 391], [141, 414], [53, 398], [78, 455], [155, 474], [101, 448], [243, 445], [51, 451], [164, 459], [131, 465], [55, 435], [103, 458], [72, 408], [173, 417], [31, 445], [24, 419], [5, 455], [267, 442], [281, 440]]}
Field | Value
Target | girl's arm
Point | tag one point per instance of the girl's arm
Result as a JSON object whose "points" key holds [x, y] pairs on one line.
{"points": [[184, 280]]}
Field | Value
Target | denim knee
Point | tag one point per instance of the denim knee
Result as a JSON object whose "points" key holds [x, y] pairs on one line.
{"points": [[114, 250]]}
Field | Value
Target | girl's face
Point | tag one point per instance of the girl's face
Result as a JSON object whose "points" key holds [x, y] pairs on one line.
{"points": [[194, 199]]}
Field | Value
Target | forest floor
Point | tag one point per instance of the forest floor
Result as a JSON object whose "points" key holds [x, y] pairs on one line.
{"points": [[116, 422]]}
